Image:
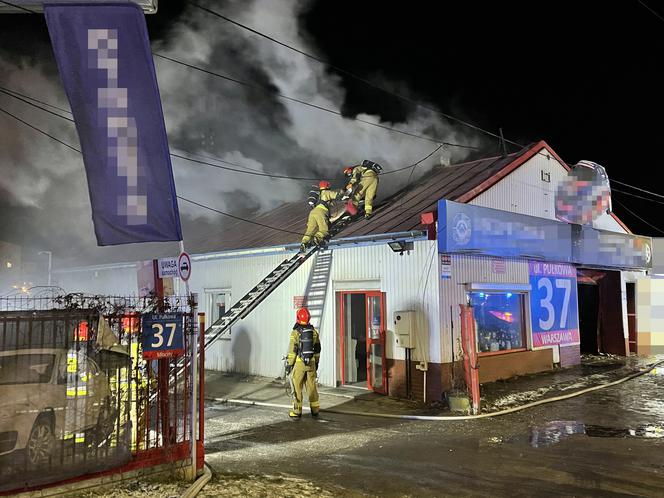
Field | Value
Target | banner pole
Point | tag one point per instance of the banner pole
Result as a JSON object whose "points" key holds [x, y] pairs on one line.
{"points": [[194, 380]]}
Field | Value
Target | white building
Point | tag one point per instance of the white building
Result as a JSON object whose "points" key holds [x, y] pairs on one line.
{"points": [[366, 282]]}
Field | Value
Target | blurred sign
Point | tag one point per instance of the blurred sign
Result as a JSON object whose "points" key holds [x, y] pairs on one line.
{"points": [[161, 335], [584, 195], [445, 266], [553, 304], [168, 267], [498, 266], [466, 228]]}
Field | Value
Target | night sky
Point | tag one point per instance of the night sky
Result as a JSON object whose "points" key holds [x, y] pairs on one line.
{"points": [[584, 76]]}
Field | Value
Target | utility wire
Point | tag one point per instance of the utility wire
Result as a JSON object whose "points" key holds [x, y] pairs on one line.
{"points": [[2, 90], [200, 161], [309, 104], [642, 3], [14, 93], [638, 217], [345, 71], [19, 7], [39, 130], [237, 217], [637, 196], [638, 188], [179, 197]]}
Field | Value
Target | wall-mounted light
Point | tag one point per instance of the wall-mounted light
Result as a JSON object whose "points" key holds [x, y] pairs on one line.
{"points": [[8, 264], [400, 246]]}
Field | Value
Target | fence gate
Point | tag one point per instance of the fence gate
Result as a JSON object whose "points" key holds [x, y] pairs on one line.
{"points": [[78, 395]]}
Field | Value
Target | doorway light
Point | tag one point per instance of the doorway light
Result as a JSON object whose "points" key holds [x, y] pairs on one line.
{"points": [[400, 246]]}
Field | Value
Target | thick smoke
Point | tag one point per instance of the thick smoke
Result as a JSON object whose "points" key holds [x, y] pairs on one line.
{"points": [[207, 116]]}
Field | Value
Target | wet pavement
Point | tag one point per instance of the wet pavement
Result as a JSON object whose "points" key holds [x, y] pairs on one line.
{"points": [[605, 443]]}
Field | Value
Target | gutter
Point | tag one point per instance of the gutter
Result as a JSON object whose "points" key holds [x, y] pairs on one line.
{"points": [[362, 240]]}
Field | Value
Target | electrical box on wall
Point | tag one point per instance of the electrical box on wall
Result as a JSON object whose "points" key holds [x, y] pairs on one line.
{"points": [[404, 328]]}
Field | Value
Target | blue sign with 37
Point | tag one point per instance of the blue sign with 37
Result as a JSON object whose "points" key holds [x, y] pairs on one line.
{"points": [[553, 304], [161, 335]]}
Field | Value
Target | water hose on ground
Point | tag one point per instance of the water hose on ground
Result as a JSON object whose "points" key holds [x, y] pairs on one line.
{"points": [[198, 484], [451, 417]]}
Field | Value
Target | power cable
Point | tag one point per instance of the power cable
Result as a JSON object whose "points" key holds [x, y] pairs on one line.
{"points": [[345, 71], [638, 217], [2, 90], [238, 217], [637, 196], [179, 197], [187, 158], [11, 91], [638, 188], [309, 104], [39, 130], [655, 13], [19, 7]]}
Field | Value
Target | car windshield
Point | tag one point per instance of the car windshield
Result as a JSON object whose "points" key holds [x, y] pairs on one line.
{"points": [[26, 368]]}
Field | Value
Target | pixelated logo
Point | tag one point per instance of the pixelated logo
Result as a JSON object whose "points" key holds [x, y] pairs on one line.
{"points": [[461, 229], [121, 128], [647, 253]]}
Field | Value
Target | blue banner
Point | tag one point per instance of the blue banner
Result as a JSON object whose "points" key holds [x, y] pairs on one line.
{"points": [[476, 229], [466, 228], [104, 58]]}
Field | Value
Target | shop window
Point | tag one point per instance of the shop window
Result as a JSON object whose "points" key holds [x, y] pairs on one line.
{"points": [[499, 317]]}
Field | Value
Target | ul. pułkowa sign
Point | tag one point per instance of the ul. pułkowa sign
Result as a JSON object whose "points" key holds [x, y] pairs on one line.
{"points": [[553, 304]]}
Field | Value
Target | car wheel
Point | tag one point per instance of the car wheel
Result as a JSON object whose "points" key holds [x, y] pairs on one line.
{"points": [[41, 442]]}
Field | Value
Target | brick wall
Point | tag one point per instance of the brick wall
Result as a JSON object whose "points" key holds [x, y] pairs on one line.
{"points": [[438, 380]]}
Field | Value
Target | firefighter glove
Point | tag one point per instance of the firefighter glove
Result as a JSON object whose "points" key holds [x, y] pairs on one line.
{"points": [[288, 369]]}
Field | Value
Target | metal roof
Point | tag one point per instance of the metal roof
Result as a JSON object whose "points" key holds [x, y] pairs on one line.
{"points": [[398, 213]]}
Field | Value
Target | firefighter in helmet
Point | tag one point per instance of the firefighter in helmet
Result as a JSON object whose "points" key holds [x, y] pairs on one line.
{"points": [[302, 360], [319, 216], [363, 184]]}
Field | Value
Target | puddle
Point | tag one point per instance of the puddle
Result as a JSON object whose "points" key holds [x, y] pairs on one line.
{"points": [[553, 432]]}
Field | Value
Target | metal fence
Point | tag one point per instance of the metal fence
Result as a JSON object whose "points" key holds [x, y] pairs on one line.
{"points": [[76, 395]]}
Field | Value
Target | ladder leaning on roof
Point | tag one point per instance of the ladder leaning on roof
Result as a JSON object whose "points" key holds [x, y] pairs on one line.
{"points": [[266, 286]]}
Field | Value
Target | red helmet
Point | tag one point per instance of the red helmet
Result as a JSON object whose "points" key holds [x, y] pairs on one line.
{"points": [[303, 316], [324, 184], [348, 171]]}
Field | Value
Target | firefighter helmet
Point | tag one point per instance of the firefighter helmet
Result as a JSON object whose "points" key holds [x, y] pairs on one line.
{"points": [[303, 316], [324, 184]]}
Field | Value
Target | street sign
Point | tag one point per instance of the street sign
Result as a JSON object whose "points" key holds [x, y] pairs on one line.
{"points": [[161, 335], [553, 304], [168, 267], [184, 266]]}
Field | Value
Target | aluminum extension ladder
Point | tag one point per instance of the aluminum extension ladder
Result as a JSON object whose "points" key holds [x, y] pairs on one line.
{"points": [[266, 286]]}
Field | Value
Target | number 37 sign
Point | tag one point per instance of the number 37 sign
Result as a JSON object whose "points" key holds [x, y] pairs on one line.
{"points": [[162, 335], [553, 304]]}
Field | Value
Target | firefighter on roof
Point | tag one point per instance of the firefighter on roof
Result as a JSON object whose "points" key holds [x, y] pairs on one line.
{"points": [[318, 222], [363, 184], [302, 360]]}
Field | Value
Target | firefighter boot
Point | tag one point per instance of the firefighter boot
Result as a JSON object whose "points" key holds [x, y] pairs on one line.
{"points": [[294, 415]]}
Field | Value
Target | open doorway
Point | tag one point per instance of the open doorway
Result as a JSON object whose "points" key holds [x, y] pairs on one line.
{"points": [[362, 340], [589, 317]]}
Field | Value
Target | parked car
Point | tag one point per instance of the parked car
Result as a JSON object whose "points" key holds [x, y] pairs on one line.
{"points": [[43, 403]]}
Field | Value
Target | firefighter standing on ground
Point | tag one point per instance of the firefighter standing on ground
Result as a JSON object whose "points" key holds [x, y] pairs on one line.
{"points": [[364, 181], [302, 359], [318, 222]]}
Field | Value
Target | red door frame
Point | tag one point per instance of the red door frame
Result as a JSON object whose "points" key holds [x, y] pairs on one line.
{"points": [[369, 341]]}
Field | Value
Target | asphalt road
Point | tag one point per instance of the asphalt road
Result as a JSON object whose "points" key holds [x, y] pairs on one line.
{"points": [[606, 443]]}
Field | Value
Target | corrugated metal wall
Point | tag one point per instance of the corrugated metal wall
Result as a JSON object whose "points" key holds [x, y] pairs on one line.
{"points": [[523, 191], [258, 342], [468, 269]]}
